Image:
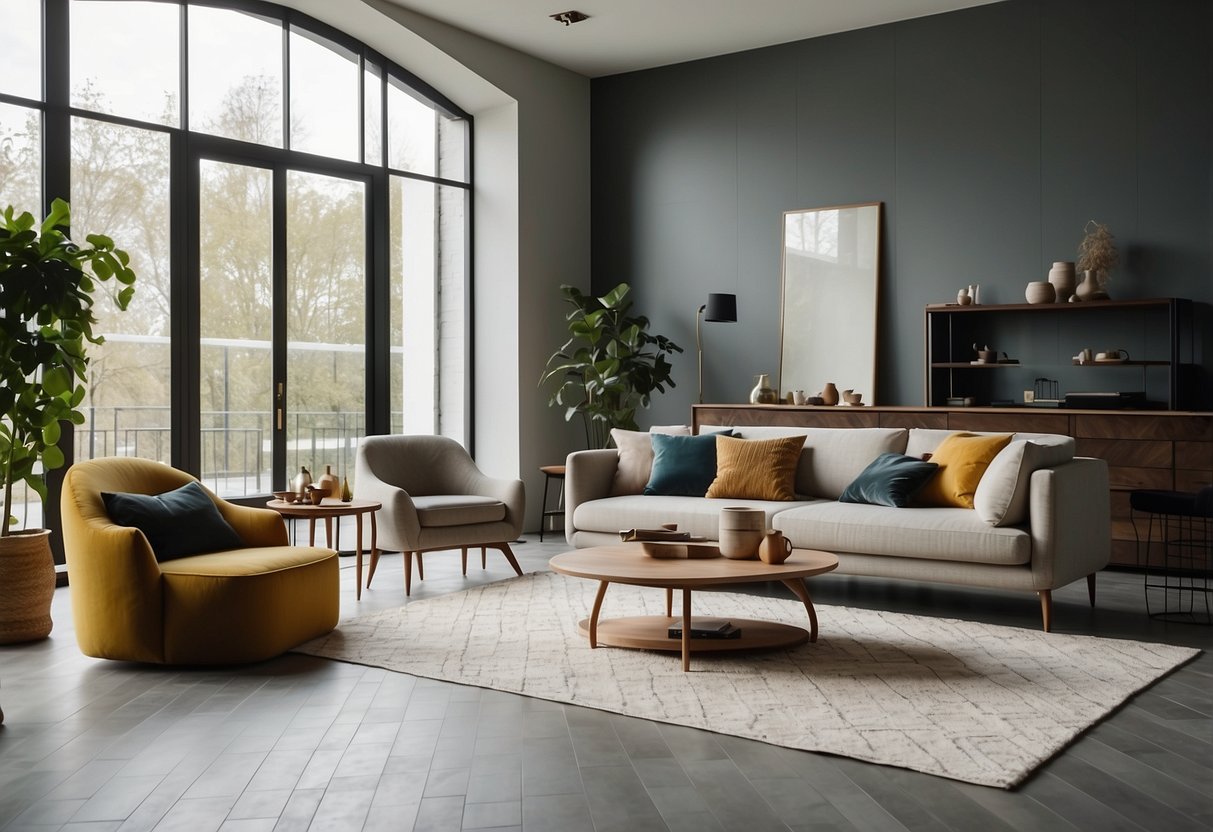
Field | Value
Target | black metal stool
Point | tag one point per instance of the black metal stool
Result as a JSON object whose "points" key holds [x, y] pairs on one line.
{"points": [[1182, 522], [551, 472]]}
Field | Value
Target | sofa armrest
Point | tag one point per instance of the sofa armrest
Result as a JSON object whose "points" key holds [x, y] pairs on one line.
{"points": [[510, 492], [1070, 517], [398, 526], [588, 475]]}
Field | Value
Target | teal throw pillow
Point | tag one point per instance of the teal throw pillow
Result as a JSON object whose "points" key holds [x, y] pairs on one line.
{"points": [[683, 466], [177, 523], [890, 480]]}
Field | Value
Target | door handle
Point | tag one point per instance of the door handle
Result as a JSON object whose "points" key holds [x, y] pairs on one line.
{"points": [[280, 418]]}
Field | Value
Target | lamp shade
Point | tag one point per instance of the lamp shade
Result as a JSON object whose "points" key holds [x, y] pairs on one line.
{"points": [[721, 308]]}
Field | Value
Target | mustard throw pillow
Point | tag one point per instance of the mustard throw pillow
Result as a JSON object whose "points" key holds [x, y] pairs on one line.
{"points": [[756, 469], [962, 459]]}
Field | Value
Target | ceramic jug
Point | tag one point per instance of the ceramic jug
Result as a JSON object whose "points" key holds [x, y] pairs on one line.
{"points": [[774, 548], [301, 481]]}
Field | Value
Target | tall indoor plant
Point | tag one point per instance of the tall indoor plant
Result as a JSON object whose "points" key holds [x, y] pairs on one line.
{"points": [[46, 322], [610, 366]]}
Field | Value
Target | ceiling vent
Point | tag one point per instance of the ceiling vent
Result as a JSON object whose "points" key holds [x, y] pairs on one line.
{"points": [[570, 17]]}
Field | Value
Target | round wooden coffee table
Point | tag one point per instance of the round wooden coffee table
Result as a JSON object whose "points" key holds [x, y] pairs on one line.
{"points": [[627, 563], [328, 510]]}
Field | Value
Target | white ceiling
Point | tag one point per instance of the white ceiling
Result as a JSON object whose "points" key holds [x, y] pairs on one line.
{"points": [[626, 35]]}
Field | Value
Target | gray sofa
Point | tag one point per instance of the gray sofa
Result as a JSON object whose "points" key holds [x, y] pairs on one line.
{"points": [[1058, 533]]}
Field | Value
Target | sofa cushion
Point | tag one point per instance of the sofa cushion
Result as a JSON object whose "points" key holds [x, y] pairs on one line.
{"points": [[925, 440], [932, 533], [756, 469], [890, 480], [1001, 498], [697, 515], [682, 465], [457, 510], [177, 523], [636, 456], [832, 457], [962, 459]]}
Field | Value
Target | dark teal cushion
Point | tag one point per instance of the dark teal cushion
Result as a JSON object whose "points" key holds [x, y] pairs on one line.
{"points": [[683, 466], [890, 480], [177, 523]]}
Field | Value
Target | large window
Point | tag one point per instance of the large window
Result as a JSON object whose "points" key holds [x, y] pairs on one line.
{"points": [[248, 158]]}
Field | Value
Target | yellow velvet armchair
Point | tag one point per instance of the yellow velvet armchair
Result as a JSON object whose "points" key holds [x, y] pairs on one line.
{"points": [[229, 607]]}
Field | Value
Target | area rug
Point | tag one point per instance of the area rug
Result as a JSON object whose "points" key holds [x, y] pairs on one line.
{"points": [[975, 702]]}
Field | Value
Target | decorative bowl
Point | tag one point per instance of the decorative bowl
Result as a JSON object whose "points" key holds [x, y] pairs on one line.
{"points": [[286, 496]]}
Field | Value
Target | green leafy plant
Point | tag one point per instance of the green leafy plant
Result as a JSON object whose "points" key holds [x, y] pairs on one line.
{"points": [[610, 366], [46, 321]]}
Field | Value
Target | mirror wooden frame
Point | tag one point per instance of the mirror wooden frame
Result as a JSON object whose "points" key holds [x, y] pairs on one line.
{"points": [[830, 298]]}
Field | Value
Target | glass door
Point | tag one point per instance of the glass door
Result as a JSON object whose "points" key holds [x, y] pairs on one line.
{"points": [[282, 334], [325, 322]]}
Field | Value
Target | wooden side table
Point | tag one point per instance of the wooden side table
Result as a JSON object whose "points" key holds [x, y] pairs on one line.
{"points": [[551, 472], [328, 510]]}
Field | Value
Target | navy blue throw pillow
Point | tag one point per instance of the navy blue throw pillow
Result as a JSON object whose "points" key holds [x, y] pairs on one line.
{"points": [[890, 480], [177, 523], [683, 466]]}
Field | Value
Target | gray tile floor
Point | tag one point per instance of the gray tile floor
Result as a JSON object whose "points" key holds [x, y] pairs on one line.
{"points": [[303, 743]]}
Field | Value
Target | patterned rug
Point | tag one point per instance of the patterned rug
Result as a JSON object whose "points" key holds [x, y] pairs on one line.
{"points": [[975, 702]]}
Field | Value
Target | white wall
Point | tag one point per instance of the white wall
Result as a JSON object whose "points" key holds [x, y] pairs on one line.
{"points": [[531, 217]]}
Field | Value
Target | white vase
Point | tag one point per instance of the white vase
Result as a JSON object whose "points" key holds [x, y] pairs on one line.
{"points": [[1063, 279], [1090, 288]]}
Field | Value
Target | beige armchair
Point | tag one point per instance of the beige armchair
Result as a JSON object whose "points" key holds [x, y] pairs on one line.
{"points": [[435, 498]]}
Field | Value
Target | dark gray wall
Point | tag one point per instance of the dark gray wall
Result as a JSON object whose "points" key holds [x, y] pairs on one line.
{"points": [[992, 135]]}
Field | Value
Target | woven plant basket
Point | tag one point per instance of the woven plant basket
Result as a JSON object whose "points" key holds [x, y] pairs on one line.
{"points": [[27, 584]]}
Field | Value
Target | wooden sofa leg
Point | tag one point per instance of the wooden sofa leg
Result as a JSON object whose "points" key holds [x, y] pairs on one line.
{"points": [[408, 572], [420, 567], [509, 555], [484, 561], [463, 559], [1046, 608], [1091, 587]]}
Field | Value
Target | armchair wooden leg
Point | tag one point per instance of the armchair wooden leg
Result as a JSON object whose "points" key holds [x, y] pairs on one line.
{"points": [[1046, 608], [1091, 587], [408, 572], [484, 562], [509, 555], [374, 562], [463, 558], [420, 567]]}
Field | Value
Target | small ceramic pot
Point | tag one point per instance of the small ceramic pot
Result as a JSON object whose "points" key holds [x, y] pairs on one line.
{"points": [[741, 531], [1063, 280], [1040, 291]]}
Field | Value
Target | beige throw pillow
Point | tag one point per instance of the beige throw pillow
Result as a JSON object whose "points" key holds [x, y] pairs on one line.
{"points": [[1002, 494], [636, 457]]}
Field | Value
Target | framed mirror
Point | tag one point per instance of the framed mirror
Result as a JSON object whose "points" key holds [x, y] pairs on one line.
{"points": [[831, 278]]}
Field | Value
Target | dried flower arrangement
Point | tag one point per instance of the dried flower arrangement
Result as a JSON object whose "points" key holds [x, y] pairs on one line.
{"points": [[1097, 252]]}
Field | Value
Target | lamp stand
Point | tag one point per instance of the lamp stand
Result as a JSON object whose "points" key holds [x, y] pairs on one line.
{"points": [[699, 347]]}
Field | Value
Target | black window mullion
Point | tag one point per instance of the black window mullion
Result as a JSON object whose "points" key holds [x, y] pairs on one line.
{"points": [[280, 413], [185, 325], [379, 298]]}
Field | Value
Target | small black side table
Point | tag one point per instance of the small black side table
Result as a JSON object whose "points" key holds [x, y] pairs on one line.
{"points": [[1177, 557], [551, 472]]}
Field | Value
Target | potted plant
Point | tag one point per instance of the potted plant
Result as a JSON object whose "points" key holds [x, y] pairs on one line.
{"points": [[46, 322], [610, 366], [1096, 256]]}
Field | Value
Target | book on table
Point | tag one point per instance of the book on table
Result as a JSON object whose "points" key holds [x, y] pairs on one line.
{"points": [[707, 628]]}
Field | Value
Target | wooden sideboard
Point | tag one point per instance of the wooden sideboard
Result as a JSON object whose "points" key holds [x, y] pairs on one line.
{"points": [[1158, 449]]}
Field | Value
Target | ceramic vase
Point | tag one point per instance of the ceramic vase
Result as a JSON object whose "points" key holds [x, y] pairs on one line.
{"points": [[301, 481], [1040, 291], [763, 393], [963, 298], [829, 393], [741, 531], [346, 495], [27, 574], [328, 482], [1090, 288], [1063, 280]]}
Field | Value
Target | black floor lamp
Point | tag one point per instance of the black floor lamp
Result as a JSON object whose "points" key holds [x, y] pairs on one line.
{"points": [[719, 309]]}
